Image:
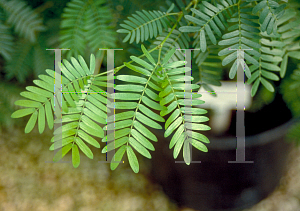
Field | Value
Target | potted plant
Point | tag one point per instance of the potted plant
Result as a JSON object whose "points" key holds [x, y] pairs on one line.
{"points": [[156, 92]]}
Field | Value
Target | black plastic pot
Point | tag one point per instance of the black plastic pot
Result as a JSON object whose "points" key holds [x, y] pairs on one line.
{"points": [[215, 184]]}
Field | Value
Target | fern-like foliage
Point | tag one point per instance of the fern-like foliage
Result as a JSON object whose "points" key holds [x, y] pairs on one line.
{"points": [[82, 106], [210, 20], [28, 56], [24, 50], [272, 48], [213, 28], [270, 12], [86, 23], [42, 96], [209, 70], [209, 65], [144, 25], [176, 39], [289, 30], [208, 23], [180, 120], [26, 21], [6, 41], [271, 51], [244, 34], [275, 49], [99, 33], [130, 131], [42, 59], [152, 91], [84, 110], [20, 66]]}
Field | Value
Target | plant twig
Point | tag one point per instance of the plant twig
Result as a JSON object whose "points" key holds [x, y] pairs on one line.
{"points": [[153, 49], [44, 6]]}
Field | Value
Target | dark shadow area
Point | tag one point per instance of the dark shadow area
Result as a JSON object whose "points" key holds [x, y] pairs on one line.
{"points": [[215, 184]]}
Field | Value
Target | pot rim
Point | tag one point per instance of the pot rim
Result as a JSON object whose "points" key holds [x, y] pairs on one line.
{"points": [[254, 140]]}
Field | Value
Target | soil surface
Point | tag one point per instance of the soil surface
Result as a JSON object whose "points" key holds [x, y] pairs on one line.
{"points": [[28, 183]]}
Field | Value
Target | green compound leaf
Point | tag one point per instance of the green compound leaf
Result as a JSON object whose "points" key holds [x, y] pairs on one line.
{"points": [[144, 25], [176, 106], [40, 100]]}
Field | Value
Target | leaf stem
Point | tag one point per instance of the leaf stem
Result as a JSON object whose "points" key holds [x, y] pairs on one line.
{"points": [[162, 43], [44, 6], [194, 2], [153, 49], [179, 18]]}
